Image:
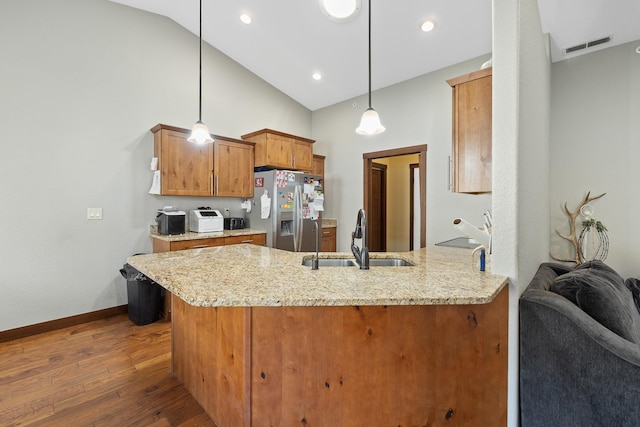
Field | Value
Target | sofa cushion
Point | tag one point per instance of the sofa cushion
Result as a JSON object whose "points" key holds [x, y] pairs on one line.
{"points": [[601, 293]]}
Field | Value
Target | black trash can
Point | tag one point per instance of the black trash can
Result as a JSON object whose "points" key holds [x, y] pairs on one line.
{"points": [[144, 296]]}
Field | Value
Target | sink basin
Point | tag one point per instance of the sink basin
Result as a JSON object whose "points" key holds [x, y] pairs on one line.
{"points": [[350, 262], [331, 262], [389, 262]]}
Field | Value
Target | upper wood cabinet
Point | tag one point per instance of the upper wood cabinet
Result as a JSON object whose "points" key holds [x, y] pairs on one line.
{"points": [[318, 165], [472, 132], [224, 168], [281, 150], [233, 162]]}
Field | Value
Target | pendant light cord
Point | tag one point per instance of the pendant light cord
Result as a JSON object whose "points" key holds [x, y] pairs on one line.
{"points": [[200, 75], [369, 53]]}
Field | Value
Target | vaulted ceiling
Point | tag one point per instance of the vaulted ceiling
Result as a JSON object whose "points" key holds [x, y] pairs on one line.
{"points": [[290, 40]]}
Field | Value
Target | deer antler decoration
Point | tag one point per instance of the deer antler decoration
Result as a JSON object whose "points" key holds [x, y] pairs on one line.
{"points": [[572, 236]]}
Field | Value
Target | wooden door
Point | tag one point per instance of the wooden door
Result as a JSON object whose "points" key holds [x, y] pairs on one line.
{"points": [[233, 168], [377, 215]]}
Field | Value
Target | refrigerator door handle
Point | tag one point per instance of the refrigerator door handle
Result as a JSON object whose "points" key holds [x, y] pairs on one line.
{"points": [[297, 219]]}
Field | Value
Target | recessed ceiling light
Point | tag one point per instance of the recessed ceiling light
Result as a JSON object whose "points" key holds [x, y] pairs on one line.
{"points": [[427, 25], [340, 10], [245, 18], [317, 76]]}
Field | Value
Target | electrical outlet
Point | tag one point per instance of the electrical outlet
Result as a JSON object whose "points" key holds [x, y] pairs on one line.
{"points": [[226, 212], [94, 213]]}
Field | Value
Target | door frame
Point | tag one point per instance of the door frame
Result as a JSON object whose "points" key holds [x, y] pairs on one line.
{"points": [[412, 185], [421, 150], [383, 168]]}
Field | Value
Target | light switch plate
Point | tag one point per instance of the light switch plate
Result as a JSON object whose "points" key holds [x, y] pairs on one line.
{"points": [[94, 213]]}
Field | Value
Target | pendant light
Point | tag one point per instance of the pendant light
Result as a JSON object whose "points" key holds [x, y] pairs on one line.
{"points": [[200, 133], [370, 122]]}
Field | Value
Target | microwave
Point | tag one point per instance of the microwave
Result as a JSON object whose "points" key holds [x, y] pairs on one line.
{"points": [[171, 222]]}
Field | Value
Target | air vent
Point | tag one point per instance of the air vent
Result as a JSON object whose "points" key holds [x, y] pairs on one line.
{"points": [[575, 48], [599, 41], [587, 45]]}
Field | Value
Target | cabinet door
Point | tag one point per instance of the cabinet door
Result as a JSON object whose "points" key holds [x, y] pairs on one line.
{"points": [[328, 241], [233, 169], [186, 168], [472, 133], [302, 153], [278, 150], [318, 165]]}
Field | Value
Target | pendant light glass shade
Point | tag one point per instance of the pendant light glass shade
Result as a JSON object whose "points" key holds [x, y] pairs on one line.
{"points": [[200, 133], [370, 123]]}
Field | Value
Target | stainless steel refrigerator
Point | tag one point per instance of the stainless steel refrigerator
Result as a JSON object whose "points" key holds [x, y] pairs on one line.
{"points": [[295, 200]]}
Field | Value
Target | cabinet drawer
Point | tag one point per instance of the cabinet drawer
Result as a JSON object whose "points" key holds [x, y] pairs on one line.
{"points": [[328, 241], [254, 239], [197, 243]]}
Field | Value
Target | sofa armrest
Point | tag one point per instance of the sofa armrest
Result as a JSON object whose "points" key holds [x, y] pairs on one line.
{"points": [[574, 371]]}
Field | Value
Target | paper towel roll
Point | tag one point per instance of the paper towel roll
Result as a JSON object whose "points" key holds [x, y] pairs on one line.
{"points": [[482, 236]]}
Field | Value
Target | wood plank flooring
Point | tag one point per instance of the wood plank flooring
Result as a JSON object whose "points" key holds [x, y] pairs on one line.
{"points": [[104, 373]]}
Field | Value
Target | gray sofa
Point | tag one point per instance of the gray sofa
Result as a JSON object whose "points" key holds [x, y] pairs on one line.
{"points": [[574, 369]]}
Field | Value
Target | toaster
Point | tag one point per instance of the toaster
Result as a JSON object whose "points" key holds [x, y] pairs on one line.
{"points": [[205, 220], [233, 223], [171, 222]]}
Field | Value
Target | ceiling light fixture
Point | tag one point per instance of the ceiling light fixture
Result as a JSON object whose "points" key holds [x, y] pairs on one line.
{"points": [[370, 122], [246, 19], [200, 133], [317, 76], [427, 25], [340, 10]]}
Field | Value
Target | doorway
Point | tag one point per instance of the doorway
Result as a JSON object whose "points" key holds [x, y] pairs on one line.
{"points": [[373, 196]]}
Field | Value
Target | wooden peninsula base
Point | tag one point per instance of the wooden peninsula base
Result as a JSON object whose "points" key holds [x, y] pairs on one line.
{"points": [[429, 365]]}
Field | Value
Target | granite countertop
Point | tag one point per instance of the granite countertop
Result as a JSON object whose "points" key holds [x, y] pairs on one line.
{"points": [[329, 223], [250, 275]]}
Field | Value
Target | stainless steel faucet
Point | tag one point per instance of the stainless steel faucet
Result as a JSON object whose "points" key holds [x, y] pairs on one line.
{"points": [[315, 262], [361, 254]]}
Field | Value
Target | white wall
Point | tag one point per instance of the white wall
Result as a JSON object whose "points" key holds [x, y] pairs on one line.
{"points": [[521, 80], [595, 146], [417, 111], [81, 84], [398, 212]]}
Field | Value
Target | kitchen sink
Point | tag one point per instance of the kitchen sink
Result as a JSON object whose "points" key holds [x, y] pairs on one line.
{"points": [[350, 262], [389, 262]]}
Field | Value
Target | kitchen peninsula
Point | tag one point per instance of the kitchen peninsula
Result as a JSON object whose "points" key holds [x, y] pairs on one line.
{"points": [[261, 340]]}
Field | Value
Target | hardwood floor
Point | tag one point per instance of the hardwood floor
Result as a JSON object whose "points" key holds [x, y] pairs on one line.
{"points": [[104, 373]]}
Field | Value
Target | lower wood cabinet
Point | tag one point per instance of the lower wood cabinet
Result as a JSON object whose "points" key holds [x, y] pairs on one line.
{"points": [[328, 242]]}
